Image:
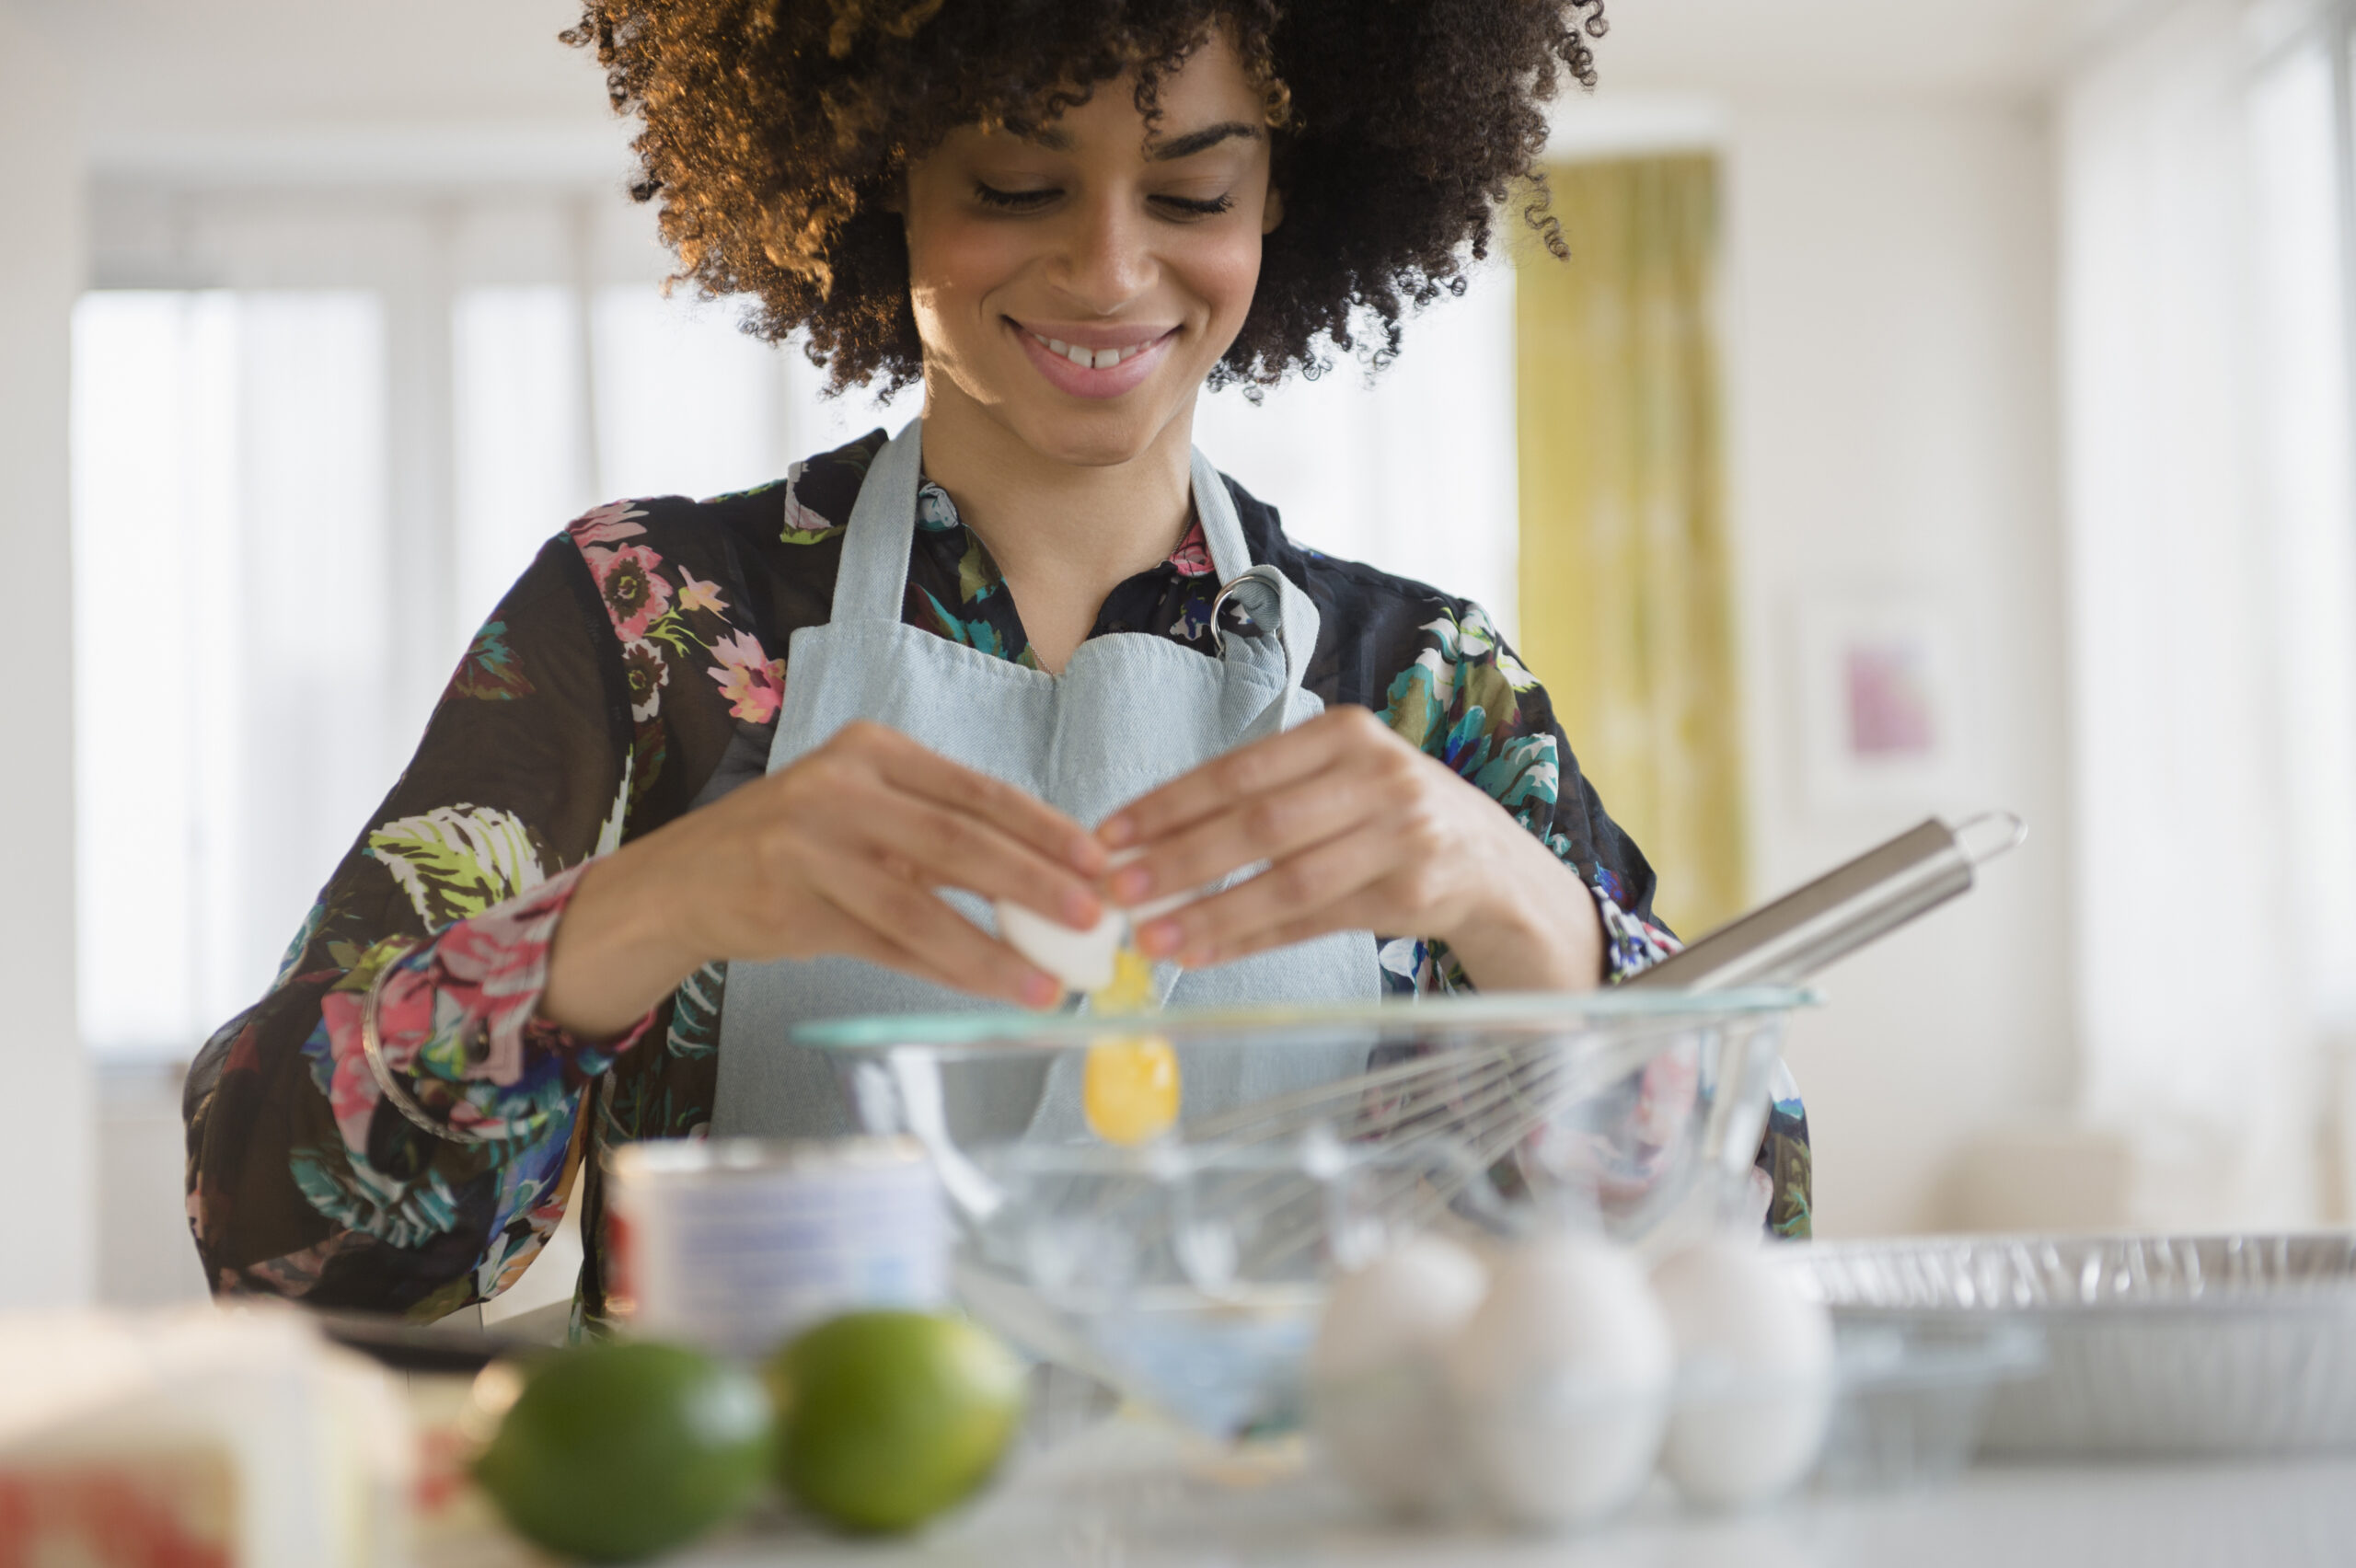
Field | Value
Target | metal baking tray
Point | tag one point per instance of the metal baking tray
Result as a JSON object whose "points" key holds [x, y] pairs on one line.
{"points": [[2156, 1345]]}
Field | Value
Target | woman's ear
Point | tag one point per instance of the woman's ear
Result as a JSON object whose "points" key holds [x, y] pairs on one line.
{"points": [[1272, 213]]}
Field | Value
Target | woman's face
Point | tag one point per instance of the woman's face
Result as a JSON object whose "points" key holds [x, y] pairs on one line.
{"points": [[1077, 285]]}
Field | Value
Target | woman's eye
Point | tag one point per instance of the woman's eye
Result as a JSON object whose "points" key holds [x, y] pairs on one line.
{"points": [[1012, 201], [1197, 207], [990, 196]]}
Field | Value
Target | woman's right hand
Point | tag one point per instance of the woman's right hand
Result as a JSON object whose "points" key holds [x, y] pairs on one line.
{"points": [[836, 855]]}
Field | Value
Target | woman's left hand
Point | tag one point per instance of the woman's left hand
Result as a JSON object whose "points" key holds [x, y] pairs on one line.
{"points": [[1360, 831]]}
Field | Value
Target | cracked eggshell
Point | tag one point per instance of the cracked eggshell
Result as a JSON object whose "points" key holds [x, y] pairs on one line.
{"points": [[1561, 1384], [1754, 1374], [1378, 1390], [1081, 959]]}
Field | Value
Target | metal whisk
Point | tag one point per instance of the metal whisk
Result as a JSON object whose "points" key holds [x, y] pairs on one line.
{"points": [[1472, 1124]]}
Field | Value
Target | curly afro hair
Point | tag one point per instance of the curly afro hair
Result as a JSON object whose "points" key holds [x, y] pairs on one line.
{"points": [[775, 131]]}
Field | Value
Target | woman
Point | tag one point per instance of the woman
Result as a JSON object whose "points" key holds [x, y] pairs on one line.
{"points": [[706, 768]]}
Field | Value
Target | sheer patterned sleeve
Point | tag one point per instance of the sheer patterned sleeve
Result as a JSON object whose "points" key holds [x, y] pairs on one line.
{"points": [[1467, 700], [389, 1127]]}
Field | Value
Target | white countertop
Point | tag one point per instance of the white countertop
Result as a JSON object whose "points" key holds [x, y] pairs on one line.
{"points": [[1131, 1495]]}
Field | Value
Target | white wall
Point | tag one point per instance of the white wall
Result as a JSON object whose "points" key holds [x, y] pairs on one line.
{"points": [[46, 1221], [1892, 408]]}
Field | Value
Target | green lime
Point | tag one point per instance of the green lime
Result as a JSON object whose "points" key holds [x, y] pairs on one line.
{"points": [[886, 1418], [615, 1452]]}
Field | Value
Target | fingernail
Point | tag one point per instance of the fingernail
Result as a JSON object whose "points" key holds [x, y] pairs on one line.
{"points": [[1113, 832], [1040, 990], [1132, 883], [1082, 910], [1158, 939]]}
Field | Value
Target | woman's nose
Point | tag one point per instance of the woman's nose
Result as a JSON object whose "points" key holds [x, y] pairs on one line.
{"points": [[1108, 258]]}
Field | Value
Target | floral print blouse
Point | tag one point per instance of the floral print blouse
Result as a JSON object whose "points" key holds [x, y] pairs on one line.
{"points": [[633, 673]]}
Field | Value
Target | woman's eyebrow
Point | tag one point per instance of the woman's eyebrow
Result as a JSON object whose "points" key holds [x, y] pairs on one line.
{"points": [[1195, 142], [1187, 146]]}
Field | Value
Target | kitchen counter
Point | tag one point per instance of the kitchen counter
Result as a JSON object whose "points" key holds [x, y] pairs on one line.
{"points": [[1131, 1495]]}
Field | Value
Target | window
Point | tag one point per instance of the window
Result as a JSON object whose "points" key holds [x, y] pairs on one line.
{"points": [[236, 718], [2302, 149], [2212, 599]]}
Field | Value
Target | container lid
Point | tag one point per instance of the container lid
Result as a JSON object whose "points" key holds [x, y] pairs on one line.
{"points": [[1465, 1020], [696, 1160]]}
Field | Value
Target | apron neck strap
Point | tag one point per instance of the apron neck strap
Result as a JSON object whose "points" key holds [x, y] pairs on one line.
{"points": [[1295, 617], [1223, 530], [873, 577]]}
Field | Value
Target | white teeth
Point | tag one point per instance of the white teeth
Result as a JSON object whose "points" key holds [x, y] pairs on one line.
{"points": [[1086, 359]]}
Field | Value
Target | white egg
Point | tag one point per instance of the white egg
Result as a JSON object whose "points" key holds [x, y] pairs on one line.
{"points": [[1081, 959], [1377, 1394], [1754, 1374], [1561, 1383]]}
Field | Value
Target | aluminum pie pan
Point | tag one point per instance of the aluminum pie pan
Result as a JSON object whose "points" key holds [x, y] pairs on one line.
{"points": [[2157, 1346]]}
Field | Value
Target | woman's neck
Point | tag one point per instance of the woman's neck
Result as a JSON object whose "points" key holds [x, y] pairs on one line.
{"points": [[1064, 535]]}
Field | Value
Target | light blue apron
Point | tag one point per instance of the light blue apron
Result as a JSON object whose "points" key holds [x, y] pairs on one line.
{"points": [[1131, 711]]}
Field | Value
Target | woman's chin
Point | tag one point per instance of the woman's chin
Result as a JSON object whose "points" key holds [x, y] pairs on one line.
{"points": [[1103, 437]]}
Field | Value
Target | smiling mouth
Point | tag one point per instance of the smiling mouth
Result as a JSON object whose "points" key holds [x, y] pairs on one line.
{"points": [[1089, 359]]}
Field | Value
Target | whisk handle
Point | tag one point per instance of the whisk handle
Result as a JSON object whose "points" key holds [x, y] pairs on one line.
{"points": [[1791, 939]]}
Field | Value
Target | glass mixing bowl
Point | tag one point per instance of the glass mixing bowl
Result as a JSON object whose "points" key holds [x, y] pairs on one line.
{"points": [[1188, 1272]]}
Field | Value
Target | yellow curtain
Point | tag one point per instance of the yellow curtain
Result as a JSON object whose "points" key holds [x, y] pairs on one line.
{"points": [[1625, 613]]}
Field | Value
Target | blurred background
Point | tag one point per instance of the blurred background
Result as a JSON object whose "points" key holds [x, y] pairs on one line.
{"points": [[1946, 408]]}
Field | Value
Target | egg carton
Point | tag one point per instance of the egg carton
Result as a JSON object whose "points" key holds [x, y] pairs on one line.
{"points": [[2154, 1346], [1913, 1397]]}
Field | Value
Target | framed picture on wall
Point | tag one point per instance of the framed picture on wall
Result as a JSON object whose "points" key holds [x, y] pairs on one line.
{"points": [[1880, 715]]}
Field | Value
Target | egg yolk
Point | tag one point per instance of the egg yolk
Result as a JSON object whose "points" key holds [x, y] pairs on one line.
{"points": [[1130, 1087], [1131, 990]]}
